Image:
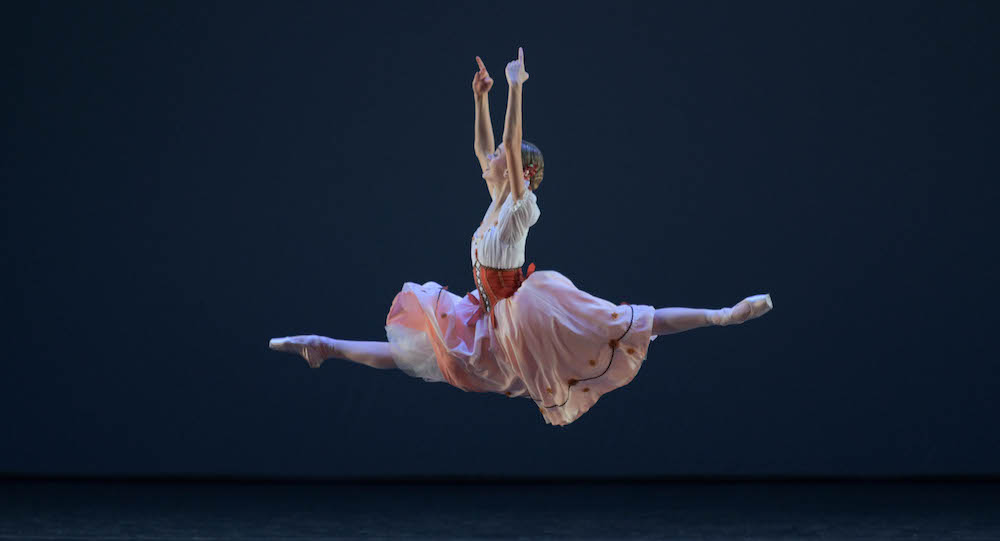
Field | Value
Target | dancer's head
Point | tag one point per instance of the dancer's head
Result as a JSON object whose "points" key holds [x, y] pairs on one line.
{"points": [[530, 156]]}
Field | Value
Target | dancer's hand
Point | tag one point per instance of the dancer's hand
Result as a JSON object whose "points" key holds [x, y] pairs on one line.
{"points": [[481, 81], [515, 69]]}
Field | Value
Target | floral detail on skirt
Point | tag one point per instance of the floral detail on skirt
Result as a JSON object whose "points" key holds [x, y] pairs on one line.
{"points": [[553, 343]]}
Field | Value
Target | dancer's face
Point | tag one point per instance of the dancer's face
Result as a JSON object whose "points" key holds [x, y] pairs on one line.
{"points": [[497, 164]]}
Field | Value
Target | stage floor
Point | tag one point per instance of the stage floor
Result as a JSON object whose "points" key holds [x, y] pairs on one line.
{"points": [[745, 510]]}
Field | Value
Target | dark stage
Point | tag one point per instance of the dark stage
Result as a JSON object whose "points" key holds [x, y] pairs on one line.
{"points": [[705, 510]]}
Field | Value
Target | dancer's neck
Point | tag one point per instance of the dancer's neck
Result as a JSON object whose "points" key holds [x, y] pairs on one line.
{"points": [[501, 192]]}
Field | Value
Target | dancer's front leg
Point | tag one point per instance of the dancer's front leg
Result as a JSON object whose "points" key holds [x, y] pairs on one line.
{"points": [[675, 320], [316, 349]]}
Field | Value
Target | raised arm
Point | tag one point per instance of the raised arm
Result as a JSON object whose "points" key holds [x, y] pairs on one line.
{"points": [[516, 76], [481, 84]]}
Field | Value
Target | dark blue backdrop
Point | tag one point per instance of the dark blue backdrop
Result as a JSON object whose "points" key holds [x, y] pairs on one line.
{"points": [[184, 181]]}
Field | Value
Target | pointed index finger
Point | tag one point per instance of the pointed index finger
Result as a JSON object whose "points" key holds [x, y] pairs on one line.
{"points": [[480, 61], [520, 54]]}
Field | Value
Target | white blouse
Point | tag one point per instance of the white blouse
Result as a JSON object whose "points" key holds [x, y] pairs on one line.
{"points": [[501, 245]]}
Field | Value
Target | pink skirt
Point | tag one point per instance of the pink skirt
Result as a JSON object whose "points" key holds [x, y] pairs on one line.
{"points": [[557, 345]]}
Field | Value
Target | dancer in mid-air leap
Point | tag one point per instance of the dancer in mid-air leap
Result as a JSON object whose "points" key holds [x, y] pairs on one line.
{"points": [[532, 335]]}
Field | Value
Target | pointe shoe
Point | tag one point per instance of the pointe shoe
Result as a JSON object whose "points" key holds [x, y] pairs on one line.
{"points": [[314, 349], [745, 310]]}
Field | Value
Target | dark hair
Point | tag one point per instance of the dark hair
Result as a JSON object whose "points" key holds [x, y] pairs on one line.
{"points": [[530, 155]]}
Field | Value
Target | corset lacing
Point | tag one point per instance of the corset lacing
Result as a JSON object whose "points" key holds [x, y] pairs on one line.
{"points": [[495, 284]]}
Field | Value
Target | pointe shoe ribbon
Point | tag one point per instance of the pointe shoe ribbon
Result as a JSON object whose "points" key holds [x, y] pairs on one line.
{"points": [[310, 347]]}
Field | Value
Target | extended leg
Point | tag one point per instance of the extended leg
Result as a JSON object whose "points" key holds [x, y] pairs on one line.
{"points": [[675, 320], [316, 349]]}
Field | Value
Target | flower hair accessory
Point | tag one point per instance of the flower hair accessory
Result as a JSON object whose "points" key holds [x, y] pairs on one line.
{"points": [[529, 172]]}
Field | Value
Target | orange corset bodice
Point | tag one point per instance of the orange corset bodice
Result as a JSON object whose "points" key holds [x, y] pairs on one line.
{"points": [[495, 284]]}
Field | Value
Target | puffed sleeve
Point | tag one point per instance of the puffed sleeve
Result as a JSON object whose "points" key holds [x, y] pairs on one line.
{"points": [[518, 217]]}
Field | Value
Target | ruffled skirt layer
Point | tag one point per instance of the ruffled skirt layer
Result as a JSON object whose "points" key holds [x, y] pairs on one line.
{"points": [[554, 343]]}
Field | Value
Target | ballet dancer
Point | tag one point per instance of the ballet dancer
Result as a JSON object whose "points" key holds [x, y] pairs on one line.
{"points": [[521, 334]]}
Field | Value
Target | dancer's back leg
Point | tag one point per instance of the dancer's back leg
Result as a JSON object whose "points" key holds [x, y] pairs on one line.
{"points": [[315, 349]]}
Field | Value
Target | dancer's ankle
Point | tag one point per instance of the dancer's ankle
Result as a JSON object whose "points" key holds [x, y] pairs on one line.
{"points": [[333, 349], [720, 317]]}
